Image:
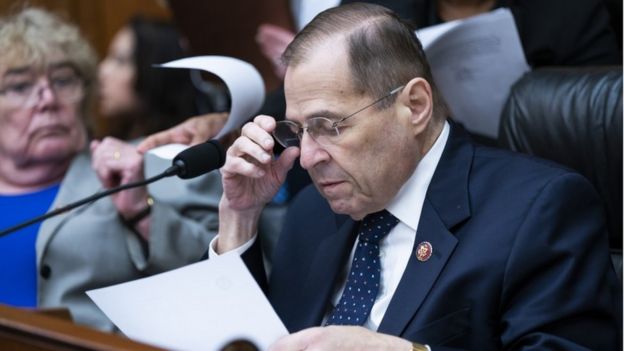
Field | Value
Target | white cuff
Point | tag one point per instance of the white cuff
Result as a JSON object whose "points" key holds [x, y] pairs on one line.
{"points": [[239, 250]]}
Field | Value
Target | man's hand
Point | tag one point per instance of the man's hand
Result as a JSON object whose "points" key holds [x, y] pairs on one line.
{"points": [[340, 338], [273, 40], [116, 163], [193, 131], [251, 177]]}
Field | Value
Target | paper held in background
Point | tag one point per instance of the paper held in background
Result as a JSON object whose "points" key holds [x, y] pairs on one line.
{"points": [[202, 306], [243, 81], [247, 93], [474, 63]]}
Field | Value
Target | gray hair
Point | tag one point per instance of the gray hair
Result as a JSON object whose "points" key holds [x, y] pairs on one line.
{"points": [[383, 50], [29, 36]]}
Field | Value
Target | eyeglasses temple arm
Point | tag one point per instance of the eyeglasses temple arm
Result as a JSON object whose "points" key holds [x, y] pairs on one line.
{"points": [[392, 92]]}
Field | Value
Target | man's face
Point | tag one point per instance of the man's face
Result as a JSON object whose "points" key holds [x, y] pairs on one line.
{"points": [[371, 158], [46, 129]]}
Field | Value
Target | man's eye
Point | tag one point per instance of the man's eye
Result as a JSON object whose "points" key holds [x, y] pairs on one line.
{"points": [[325, 127]]}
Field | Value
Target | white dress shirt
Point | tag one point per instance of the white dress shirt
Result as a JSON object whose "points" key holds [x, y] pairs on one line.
{"points": [[396, 248]]}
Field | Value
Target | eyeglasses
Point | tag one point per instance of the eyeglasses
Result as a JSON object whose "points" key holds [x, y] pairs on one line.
{"points": [[322, 129], [25, 92]]}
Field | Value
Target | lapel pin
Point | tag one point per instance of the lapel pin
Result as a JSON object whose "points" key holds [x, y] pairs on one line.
{"points": [[424, 251]]}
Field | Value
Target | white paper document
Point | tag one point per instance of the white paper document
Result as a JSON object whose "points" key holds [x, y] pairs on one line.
{"points": [[202, 306], [243, 81], [474, 63]]}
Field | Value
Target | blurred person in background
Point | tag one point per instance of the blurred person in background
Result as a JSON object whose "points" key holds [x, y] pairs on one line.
{"points": [[138, 97]]}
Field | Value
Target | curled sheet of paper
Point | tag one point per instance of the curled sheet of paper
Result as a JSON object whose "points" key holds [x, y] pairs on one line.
{"points": [[243, 81]]}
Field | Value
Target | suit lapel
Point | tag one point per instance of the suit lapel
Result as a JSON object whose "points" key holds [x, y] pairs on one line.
{"points": [[446, 205], [74, 181], [419, 277], [326, 266]]}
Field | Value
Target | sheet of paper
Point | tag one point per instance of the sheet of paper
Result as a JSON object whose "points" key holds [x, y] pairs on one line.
{"points": [[201, 306], [243, 81], [428, 35], [155, 162], [474, 64]]}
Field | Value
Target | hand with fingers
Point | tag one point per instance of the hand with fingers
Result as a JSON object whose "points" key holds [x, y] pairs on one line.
{"points": [[342, 338], [192, 131], [251, 177], [117, 163]]}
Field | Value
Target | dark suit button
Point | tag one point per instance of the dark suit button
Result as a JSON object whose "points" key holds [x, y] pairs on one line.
{"points": [[45, 271]]}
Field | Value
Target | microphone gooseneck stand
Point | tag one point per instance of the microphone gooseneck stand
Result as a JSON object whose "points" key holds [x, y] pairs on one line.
{"points": [[171, 171], [190, 163]]}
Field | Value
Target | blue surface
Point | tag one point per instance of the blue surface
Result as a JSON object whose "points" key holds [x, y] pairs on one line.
{"points": [[18, 266]]}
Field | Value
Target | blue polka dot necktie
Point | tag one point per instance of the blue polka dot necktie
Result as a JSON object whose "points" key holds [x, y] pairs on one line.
{"points": [[362, 284]]}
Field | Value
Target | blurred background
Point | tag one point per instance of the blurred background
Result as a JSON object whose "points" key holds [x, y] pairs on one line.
{"points": [[211, 27]]}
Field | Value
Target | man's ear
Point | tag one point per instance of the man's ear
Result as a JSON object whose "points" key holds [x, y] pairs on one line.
{"points": [[417, 99]]}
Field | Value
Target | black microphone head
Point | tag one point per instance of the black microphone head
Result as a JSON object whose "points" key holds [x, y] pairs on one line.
{"points": [[200, 159]]}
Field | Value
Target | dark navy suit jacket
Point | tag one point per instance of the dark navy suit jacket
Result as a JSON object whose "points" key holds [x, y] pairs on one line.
{"points": [[520, 258]]}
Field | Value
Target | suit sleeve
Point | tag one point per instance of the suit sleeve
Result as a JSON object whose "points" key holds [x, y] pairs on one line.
{"points": [[558, 289]]}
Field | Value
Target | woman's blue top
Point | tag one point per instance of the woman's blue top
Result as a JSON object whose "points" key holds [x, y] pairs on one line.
{"points": [[18, 260]]}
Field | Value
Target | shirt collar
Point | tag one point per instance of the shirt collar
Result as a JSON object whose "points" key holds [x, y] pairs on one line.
{"points": [[410, 198]]}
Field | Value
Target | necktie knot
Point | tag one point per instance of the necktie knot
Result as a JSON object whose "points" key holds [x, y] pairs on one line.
{"points": [[376, 226]]}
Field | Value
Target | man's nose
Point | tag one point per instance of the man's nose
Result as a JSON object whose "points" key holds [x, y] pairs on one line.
{"points": [[312, 152]]}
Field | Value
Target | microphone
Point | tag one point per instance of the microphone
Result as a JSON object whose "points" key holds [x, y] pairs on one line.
{"points": [[190, 163], [199, 159]]}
